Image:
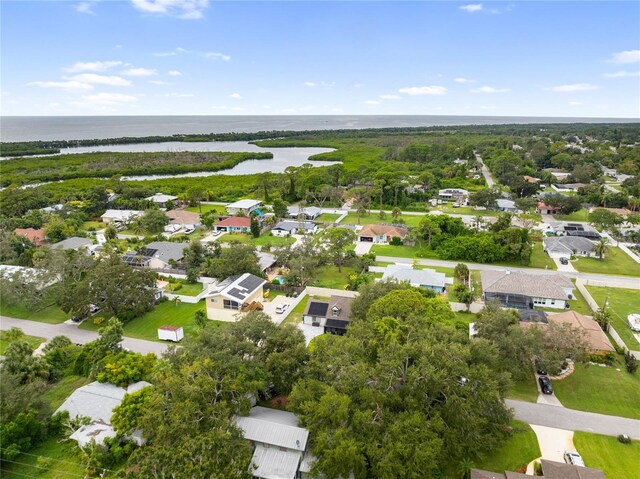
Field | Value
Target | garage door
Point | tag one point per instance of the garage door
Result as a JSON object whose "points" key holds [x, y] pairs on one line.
{"points": [[366, 239]]}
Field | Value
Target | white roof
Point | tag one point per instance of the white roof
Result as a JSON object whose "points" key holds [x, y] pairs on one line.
{"points": [[161, 198], [244, 204], [121, 215], [502, 203], [97, 400], [308, 210], [97, 431], [417, 277], [276, 428], [23, 273], [237, 288], [272, 463]]}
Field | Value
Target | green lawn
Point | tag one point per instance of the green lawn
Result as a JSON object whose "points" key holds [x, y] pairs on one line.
{"points": [[206, 208], [166, 313], [615, 459], [51, 315], [296, 313], [524, 390], [327, 218], [329, 277], [374, 218], [403, 251], [579, 304], [464, 210], [58, 392], [580, 215], [540, 259], [96, 225], [615, 262], [602, 390], [65, 462], [264, 240], [33, 341], [188, 289], [519, 450], [621, 303]]}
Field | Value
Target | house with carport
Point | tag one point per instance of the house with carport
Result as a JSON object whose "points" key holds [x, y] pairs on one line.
{"points": [[310, 213]]}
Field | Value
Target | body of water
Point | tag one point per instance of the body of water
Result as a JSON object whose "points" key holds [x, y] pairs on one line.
{"points": [[31, 128]]}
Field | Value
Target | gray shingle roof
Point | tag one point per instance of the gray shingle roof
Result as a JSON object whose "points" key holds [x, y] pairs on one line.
{"points": [[72, 243], [568, 244], [166, 250], [294, 225], [311, 211], [550, 286], [417, 277]]}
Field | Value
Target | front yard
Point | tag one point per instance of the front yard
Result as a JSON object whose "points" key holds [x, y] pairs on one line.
{"points": [[615, 262], [327, 218], [621, 303], [266, 239], [525, 390], [295, 316], [601, 389], [51, 315], [518, 451], [606, 453], [540, 259], [33, 341], [329, 277], [374, 218]]}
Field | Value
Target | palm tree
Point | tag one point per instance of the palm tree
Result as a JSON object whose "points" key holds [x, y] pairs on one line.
{"points": [[395, 213], [601, 247]]}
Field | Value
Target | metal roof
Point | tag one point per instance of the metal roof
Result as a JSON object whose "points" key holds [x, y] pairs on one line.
{"points": [[161, 198], [417, 277], [72, 243], [122, 215], [272, 463], [274, 428], [245, 204]]}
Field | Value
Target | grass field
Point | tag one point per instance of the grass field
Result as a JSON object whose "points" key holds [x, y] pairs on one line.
{"points": [[579, 304], [327, 217], [464, 210], [621, 303], [58, 392], [540, 259], [33, 341], [96, 225], [263, 240], [580, 215], [206, 208], [329, 277], [615, 459], [615, 262], [188, 289], [602, 390], [525, 390], [166, 313], [51, 315], [519, 450], [374, 218]]}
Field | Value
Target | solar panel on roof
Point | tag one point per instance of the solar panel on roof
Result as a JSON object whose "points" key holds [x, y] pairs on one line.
{"points": [[236, 293], [318, 309], [251, 282]]}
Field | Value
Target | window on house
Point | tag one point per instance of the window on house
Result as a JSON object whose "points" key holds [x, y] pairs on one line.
{"points": [[228, 304], [213, 300], [336, 312]]}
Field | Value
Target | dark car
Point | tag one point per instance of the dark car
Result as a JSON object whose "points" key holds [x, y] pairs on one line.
{"points": [[540, 369], [545, 385], [564, 261]]}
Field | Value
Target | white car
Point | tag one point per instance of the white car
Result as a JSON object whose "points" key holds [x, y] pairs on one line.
{"points": [[281, 308], [572, 457]]}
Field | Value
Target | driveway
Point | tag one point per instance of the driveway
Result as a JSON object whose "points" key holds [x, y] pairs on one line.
{"points": [[566, 268], [553, 442], [310, 332], [572, 420], [363, 247], [270, 307], [549, 399]]}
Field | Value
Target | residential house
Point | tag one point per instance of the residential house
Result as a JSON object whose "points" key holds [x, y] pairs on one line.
{"points": [[157, 255], [267, 262], [310, 212], [244, 207], [161, 199], [97, 401], [289, 227], [503, 204], [240, 293], [118, 217], [279, 443], [234, 224], [545, 209], [597, 340], [74, 243], [37, 237], [381, 234], [183, 218], [576, 229], [53, 208], [457, 194], [550, 470], [332, 315], [518, 289], [420, 278], [531, 179], [26, 275], [567, 187], [567, 246]]}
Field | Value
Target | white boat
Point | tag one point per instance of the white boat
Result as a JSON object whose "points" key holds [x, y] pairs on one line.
{"points": [[633, 320]]}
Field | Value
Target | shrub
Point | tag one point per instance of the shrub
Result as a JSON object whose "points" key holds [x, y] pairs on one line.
{"points": [[98, 320], [396, 241], [631, 363], [537, 468], [44, 463]]}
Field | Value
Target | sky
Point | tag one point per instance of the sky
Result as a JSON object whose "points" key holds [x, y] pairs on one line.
{"points": [[206, 57]]}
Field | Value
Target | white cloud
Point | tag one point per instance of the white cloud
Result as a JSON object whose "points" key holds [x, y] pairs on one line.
{"points": [[236, 96], [371, 102], [424, 90], [139, 72], [471, 8], [71, 85], [622, 74], [463, 80], [573, 87], [95, 79], [310, 84], [109, 99], [92, 66], [489, 89], [174, 73], [179, 95], [183, 9], [171, 53], [628, 56], [575, 103], [159, 82], [85, 7], [216, 56], [390, 97]]}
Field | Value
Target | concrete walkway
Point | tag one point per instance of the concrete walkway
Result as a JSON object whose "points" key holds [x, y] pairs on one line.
{"points": [[76, 335], [572, 420], [553, 442]]}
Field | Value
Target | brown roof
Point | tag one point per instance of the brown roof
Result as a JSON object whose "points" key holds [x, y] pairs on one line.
{"points": [[37, 237], [542, 206], [387, 230], [594, 335], [170, 328], [237, 221], [182, 217], [531, 179], [560, 470]]}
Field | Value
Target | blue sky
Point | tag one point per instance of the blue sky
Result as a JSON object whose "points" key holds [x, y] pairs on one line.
{"points": [[199, 57]]}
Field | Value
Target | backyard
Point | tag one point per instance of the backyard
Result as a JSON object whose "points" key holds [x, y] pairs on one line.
{"points": [[605, 390], [580, 215], [329, 277], [264, 240], [219, 209], [606, 453], [615, 261], [374, 218], [621, 303]]}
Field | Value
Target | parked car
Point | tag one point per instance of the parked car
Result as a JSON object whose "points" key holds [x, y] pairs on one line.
{"points": [[188, 231], [216, 233], [93, 309], [564, 260], [281, 308], [545, 385], [572, 457]]}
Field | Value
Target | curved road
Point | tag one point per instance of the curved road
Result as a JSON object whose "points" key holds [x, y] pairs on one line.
{"points": [[572, 420]]}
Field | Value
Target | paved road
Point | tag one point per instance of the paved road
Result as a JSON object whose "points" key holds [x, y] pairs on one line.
{"points": [[485, 172], [76, 335], [621, 281], [572, 420]]}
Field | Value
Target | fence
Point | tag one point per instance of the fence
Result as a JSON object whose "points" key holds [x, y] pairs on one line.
{"points": [[283, 287]]}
